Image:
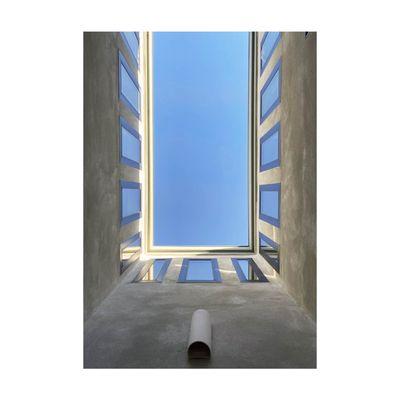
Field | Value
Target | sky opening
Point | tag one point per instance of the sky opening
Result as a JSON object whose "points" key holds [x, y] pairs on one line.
{"points": [[200, 120]]}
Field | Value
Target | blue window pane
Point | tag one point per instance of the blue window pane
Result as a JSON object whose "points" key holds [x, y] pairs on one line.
{"points": [[270, 251], [270, 203], [200, 270], [133, 44], [265, 245], [157, 266], [270, 94], [131, 248], [130, 146], [136, 242], [129, 89], [153, 272], [129, 251], [271, 39], [245, 267], [130, 201], [270, 149]]}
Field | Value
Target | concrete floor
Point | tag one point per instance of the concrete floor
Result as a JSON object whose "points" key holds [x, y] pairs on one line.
{"points": [[146, 325]]}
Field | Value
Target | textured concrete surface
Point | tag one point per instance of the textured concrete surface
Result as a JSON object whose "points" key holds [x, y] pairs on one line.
{"points": [[101, 200], [297, 172], [102, 170], [146, 325], [298, 168]]}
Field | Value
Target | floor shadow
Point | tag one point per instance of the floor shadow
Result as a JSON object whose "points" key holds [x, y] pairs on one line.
{"points": [[199, 363]]}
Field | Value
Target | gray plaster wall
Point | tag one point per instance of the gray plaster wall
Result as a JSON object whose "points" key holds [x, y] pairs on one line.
{"points": [[298, 168], [102, 170]]}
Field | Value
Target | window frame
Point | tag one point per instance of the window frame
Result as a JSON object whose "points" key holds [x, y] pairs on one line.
{"points": [[161, 275], [185, 267], [275, 264], [264, 38], [277, 69], [123, 123], [150, 248], [277, 162], [130, 185], [135, 60], [123, 63], [273, 187], [242, 278]]}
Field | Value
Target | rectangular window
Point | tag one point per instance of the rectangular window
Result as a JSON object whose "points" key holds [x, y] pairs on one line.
{"points": [[268, 44], [270, 251], [270, 148], [131, 40], [247, 270], [129, 251], [270, 198], [130, 193], [128, 87], [198, 270], [271, 93], [154, 272], [200, 84], [130, 145]]}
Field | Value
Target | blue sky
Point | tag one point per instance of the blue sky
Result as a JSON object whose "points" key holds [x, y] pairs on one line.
{"points": [[200, 92]]}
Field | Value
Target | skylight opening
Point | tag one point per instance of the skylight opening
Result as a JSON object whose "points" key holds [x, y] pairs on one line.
{"points": [[200, 147]]}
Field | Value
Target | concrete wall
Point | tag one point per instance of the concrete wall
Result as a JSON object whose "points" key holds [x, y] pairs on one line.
{"points": [[297, 171], [102, 170], [298, 197]]}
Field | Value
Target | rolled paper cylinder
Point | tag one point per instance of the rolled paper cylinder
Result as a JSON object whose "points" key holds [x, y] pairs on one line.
{"points": [[199, 345]]}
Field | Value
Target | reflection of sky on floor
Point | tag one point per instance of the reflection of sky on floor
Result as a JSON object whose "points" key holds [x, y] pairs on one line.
{"points": [[200, 270], [200, 96]]}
